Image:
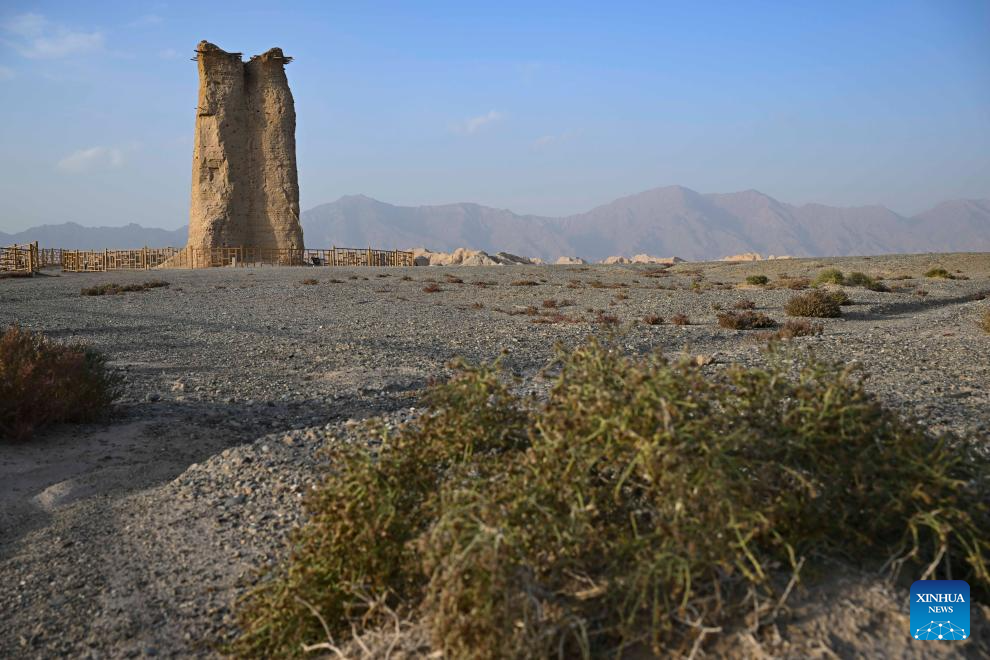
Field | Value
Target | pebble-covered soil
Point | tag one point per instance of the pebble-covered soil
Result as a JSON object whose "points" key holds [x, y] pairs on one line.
{"points": [[134, 538]]}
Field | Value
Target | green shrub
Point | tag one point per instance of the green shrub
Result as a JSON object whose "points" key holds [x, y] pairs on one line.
{"points": [[863, 280], [757, 280], [43, 383], [745, 320], [829, 276], [940, 273], [640, 502], [840, 297], [817, 304]]}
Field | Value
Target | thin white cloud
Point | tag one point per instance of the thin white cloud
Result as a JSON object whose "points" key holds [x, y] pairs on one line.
{"points": [[545, 141], [6, 73], [472, 125], [93, 158], [35, 37]]}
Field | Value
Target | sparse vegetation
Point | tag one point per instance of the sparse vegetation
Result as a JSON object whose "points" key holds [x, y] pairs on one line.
{"points": [[310, 281], [745, 320], [113, 289], [623, 511], [43, 382], [653, 319], [680, 319], [432, 287], [744, 304], [940, 273], [840, 297], [863, 280], [451, 279], [605, 319], [757, 280], [525, 283], [829, 276], [985, 321], [793, 283], [816, 304], [792, 328]]}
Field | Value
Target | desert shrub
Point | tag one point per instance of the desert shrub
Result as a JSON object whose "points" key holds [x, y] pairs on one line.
{"points": [[432, 287], [112, 289], [451, 279], [985, 321], [680, 319], [598, 284], [406, 278], [829, 276], [817, 304], [43, 382], [791, 329], [745, 320], [605, 319], [641, 502], [921, 293], [622, 296], [744, 304], [940, 273], [477, 305], [863, 280], [653, 319], [310, 281], [757, 280], [525, 283], [840, 297], [555, 317]]}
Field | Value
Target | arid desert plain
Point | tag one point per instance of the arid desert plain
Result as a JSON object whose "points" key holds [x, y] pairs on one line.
{"points": [[135, 538]]}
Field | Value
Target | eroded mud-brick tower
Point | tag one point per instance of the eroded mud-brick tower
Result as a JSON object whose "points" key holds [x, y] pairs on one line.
{"points": [[245, 188]]}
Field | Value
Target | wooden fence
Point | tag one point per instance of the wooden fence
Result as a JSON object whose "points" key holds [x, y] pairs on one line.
{"points": [[148, 258], [20, 258]]}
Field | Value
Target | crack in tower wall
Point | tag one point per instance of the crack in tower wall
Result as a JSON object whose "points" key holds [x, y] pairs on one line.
{"points": [[245, 187]]}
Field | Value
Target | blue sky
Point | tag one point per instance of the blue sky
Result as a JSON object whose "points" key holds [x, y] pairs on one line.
{"points": [[547, 108]]}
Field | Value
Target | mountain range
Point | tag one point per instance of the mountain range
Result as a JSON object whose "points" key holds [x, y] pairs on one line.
{"points": [[668, 221]]}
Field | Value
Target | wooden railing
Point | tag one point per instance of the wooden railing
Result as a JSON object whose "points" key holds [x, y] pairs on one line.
{"points": [[20, 258], [189, 257]]}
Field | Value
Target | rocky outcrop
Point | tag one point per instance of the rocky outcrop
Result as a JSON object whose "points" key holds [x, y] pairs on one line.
{"points": [[641, 259], [245, 187], [466, 257], [752, 256], [569, 261]]}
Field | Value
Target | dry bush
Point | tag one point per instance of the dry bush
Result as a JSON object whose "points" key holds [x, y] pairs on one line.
{"points": [[555, 317], [757, 280], [451, 279], [940, 273], [432, 287], [653, 319], [383, 275], [840, 297], [792, 283], [43, 382], [745, 320], [406, 278], [335, 281], [985, 321], [622, 296], [525, 283], [112, 289], [639, 504], [680, 319], [477, 305], [816, 304], [921, 293], [744, 304], [598, 284], [605, 319], [863, 280], [656, 272], [310, 281], [791, 329]]}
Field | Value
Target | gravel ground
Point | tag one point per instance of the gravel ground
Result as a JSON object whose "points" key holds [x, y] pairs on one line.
{"points": [[133, 539]]}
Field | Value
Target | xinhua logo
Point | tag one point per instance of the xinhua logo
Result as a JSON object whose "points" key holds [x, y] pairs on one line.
{"points": [[940, 609]]}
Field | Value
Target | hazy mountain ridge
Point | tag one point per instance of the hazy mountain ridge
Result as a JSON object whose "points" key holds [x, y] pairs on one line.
{"points": [[669, 221]]}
